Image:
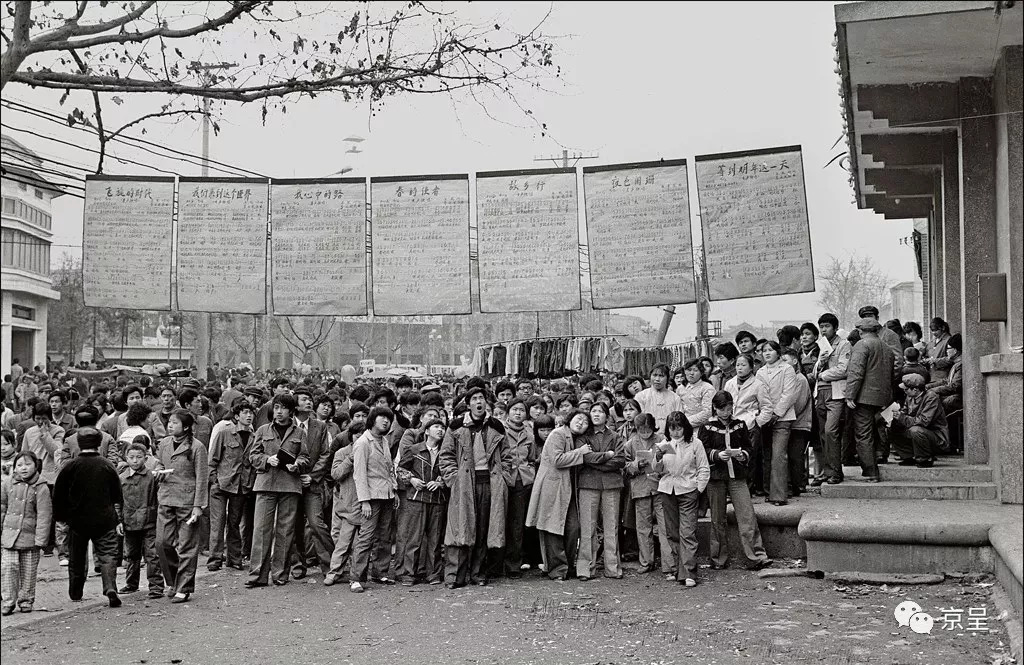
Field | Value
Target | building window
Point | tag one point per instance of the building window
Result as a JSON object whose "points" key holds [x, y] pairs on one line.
{"points": [[21, 251], [27, 213], [27, 313], [39, 194], [22, 186]]}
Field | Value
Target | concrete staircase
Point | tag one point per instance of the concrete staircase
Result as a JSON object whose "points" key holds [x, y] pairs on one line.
{"points": [[950, 479]]}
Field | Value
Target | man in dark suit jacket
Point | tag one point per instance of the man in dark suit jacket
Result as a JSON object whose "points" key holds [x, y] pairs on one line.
{"points": [[87, 496], [868, 391], [315, 538]]}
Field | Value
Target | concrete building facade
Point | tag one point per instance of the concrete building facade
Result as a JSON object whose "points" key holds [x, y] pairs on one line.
{"points": [[931, 103], [27, 234]]}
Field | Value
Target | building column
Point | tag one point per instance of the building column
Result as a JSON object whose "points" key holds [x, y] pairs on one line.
{"points": [[1011, 214], [978, 252], [950, 238], [935, 257]]}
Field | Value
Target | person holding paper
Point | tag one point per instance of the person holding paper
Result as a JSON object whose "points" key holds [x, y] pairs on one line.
{"points": [[643, 490], [183, 491], [684, 470], [919, 429], [279, 456], [727, 444]]}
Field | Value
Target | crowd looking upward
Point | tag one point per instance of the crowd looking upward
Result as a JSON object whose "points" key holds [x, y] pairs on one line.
{"points": [[286, 475]]}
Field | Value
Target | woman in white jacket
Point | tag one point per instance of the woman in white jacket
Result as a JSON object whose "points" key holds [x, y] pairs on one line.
{"points": [[753, 405], [781, 380]]}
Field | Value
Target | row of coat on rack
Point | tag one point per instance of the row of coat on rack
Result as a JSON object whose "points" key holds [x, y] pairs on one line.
{"points": [[641, 360], [549, 357], [553, 357]]}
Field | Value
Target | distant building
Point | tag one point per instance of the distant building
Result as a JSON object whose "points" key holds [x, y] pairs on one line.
{"points": [[908, 301], [25, 256]]}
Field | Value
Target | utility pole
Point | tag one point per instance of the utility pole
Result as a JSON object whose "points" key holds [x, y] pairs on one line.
{"points": [[204, 322]]}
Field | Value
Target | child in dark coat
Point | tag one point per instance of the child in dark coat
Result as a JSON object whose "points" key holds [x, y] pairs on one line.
{"points": [[138, 485]]}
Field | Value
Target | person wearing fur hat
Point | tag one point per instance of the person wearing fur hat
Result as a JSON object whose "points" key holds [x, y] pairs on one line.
{"points": [[476, 465]]}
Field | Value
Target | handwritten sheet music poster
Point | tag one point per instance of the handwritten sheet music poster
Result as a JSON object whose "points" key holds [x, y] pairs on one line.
{"points": [[528, 241], [126, 243], [757, 235], [222, 245], [318, 247], [638, 231], [420, 245]]}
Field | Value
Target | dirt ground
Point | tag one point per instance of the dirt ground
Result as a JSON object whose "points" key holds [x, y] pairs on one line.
{"points": [[731, 617]]}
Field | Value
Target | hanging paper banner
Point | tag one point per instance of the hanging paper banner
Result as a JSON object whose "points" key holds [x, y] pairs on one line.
{"points": [[222, 245], [318, 247], [528, 239], [757, 236], [420, 245], [638, 233], [126, 242]]}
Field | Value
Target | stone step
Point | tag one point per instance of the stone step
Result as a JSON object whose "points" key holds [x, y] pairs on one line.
{"points": [[909, 490], [937, 474], [879, 536]]}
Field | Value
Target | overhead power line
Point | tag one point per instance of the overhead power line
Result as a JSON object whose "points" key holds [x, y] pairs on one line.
{"points": [[87, 149], [125, 138]]}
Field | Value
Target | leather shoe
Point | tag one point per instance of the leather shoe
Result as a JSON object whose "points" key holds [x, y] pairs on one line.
{"points": [[254, 584], [872, 479], [910, 461], [113, 599], [834, 480], [926, 464]]}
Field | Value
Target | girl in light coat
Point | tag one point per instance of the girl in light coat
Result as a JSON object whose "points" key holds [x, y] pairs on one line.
{"points": [[753, 405], [685, 472], [781, 380], [26, 514]]}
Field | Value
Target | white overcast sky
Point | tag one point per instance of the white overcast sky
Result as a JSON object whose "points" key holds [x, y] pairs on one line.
{"points": [[641, 81]]}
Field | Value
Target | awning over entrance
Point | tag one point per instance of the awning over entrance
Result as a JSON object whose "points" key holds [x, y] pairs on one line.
{"points": [[904, 67]]}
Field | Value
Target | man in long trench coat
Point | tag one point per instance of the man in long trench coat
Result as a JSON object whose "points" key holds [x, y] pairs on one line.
{"points": [[476, 464]]}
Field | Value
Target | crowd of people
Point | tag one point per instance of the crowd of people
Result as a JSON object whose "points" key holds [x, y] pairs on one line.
{"points": [[455, 482]]}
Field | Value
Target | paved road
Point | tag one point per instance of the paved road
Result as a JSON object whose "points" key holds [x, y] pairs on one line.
{"points": [[732, 617]]}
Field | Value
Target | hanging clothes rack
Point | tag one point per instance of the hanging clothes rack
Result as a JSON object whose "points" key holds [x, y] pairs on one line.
{"points": [[548, 357], [640, 360]]}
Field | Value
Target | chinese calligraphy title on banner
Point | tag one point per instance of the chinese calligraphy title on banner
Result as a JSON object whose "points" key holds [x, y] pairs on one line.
{"points": [[638, 231], [126, 242], [420, 245], [757, 238], [222, 245], [318, 247], [528, 236]]}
